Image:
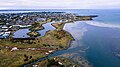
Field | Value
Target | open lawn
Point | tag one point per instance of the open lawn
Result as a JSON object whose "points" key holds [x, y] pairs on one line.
{"points": [[54, 39]]}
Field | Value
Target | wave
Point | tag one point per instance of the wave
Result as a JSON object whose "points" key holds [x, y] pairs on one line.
{"points": [[100, 24]]}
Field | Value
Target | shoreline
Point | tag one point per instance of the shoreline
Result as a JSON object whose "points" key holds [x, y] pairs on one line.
{"points": [[7, 45], [57, 39], [69, 44]]}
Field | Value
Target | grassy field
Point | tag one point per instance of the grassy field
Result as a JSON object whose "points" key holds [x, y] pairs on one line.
{"points": [[17, 58], [2, 23], [37, 26], [33, 34], [57, 62], [30, 50]]}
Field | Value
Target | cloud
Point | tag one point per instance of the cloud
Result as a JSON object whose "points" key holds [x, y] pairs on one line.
{"points": [[78, 4]]}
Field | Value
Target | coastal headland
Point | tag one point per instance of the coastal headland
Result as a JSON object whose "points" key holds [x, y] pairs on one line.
{"points": [[16, 52]]}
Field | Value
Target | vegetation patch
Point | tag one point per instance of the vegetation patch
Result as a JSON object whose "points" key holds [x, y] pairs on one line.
{"points": [[32, 49], [59, 25], [17, 52], [37, 26], [56, 62], [33, 34]]}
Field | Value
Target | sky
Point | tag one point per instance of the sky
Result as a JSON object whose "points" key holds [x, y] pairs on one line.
{"points": [[59, 4]]}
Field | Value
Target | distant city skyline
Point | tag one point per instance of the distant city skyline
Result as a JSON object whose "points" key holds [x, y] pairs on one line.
{"points": [[60, 4]]}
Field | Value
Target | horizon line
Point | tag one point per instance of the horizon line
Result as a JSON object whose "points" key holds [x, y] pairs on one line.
{"points": [[54, 8]]}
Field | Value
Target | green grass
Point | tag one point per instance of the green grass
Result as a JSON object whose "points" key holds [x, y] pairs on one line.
{"points": [[53, 39], [37, 26], [16, 58], [2, 23], [33, 34], [53, 62]]}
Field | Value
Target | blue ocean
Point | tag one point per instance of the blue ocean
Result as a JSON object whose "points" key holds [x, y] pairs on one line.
{"points": [[99, 38], [102, 36], [96, 41]]}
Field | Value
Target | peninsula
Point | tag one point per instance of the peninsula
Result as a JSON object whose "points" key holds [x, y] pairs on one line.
{"points": [[16, 52]]}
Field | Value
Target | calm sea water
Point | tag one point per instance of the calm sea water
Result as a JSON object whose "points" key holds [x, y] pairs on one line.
{"points": [[101, 35], [98, 37], [102, 41]]}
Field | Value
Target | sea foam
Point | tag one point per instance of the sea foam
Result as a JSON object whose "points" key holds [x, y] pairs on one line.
{"points": [[100, 24]]}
